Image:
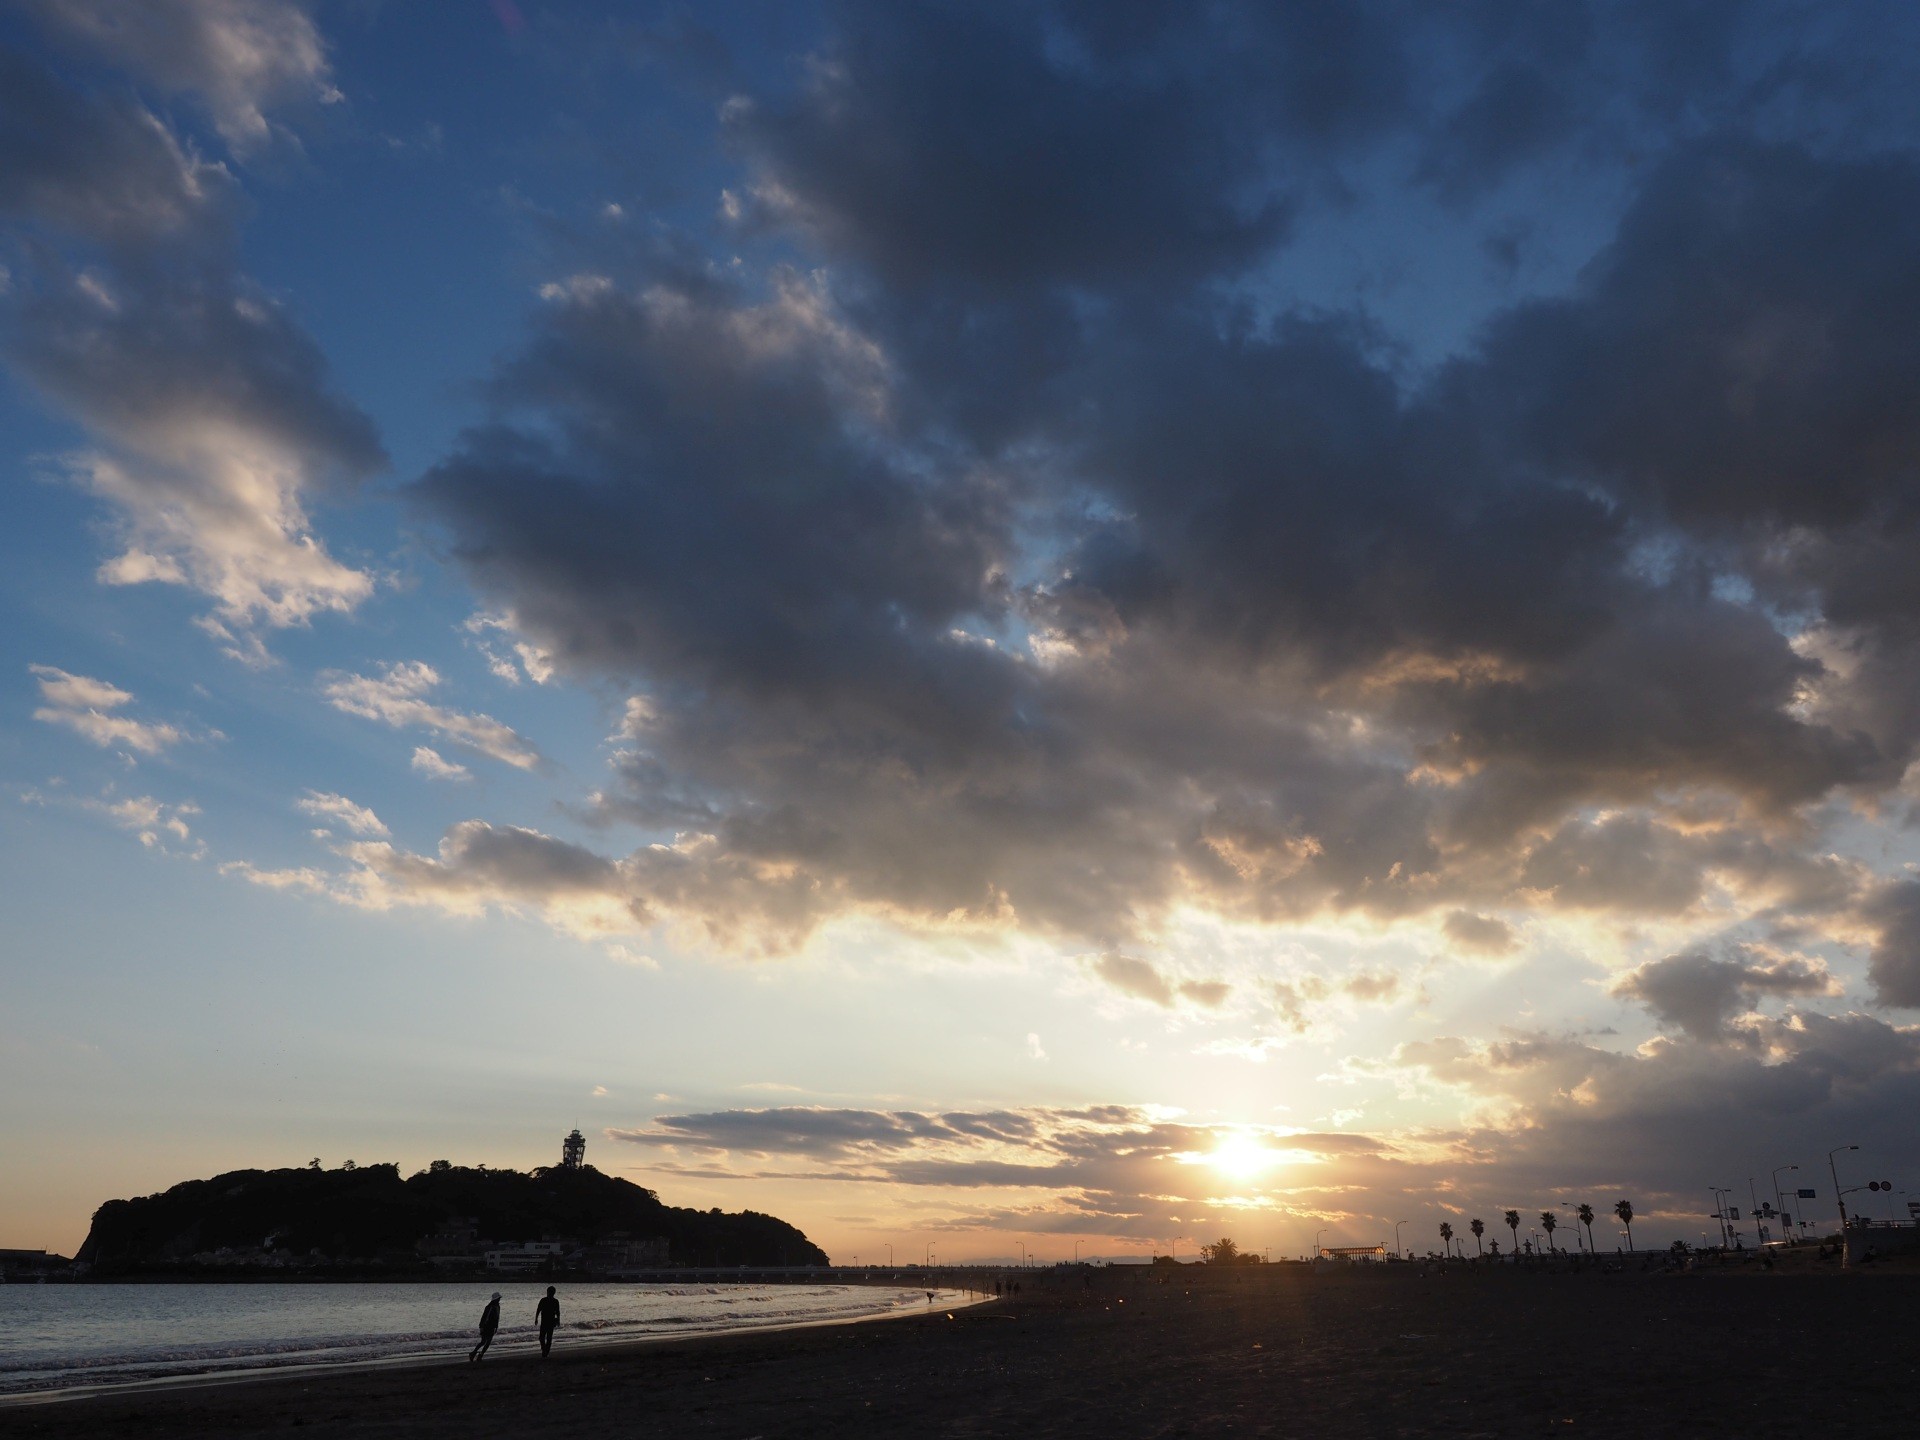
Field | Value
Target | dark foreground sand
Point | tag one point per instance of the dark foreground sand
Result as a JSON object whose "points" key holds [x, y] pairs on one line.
{"points": [[1285, 1353]]}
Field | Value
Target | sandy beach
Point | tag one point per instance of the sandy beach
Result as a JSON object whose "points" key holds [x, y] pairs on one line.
{"points": [[1120, 1353]]}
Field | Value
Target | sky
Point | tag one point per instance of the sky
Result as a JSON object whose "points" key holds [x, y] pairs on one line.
{"points": [[1078, 625]]}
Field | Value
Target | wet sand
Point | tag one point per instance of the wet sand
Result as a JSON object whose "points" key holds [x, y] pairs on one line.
{"points": [[1286, 1352]]}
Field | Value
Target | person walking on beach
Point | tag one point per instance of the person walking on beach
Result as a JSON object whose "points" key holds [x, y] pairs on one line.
{"points": [[547, 1315], [489, 1322]]}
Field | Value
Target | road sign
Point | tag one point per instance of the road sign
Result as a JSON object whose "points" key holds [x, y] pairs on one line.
{"points": [[1732, 1213], [1808, 1195]]}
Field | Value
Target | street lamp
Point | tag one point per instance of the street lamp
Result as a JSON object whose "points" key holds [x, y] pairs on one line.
{"points": [[1316, 1241], [1720, 1193], [889, 1257], [1076, 1252], [1579, 1241], [1023, 1253], [1780, 1204], [1396, 1239], [1838, 1198]]}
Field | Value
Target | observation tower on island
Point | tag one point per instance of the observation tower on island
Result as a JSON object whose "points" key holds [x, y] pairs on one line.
{"points": [[573, 1151]]}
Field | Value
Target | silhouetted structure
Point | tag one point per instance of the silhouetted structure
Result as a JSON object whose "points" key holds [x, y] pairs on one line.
{"points": [[573, 1151]]}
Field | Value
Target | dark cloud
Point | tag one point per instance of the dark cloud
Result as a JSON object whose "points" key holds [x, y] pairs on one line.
{"points": [[1564, 1116], [1700, 993], [98, 164], [1011, 567], [1142, 980], [1894, 965], [1479, 934], [1516, 113], [1075, 145], [1742, 355]]}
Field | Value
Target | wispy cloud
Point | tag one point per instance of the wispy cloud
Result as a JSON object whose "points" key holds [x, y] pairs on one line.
{"points": [[357, 818], [398, 697], [158, 824], [435, 766], [91, 709]]}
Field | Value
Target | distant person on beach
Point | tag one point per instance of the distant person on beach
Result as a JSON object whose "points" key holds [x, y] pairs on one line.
{"points": [[547, 1315], [489, 1322]]}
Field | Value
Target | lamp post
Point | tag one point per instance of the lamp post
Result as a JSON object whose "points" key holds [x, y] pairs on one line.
{"points": [[1780, 1204], [1398, 1252], [1719, 1193], [1023, 1253], [1579, 1241], [1076, 1252], [1316, 1241], [1759, 1237], [1838, 1199], [889, 1257]]}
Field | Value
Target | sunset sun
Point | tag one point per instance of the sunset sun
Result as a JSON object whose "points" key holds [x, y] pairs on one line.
{"points": [[1242, 1157]]}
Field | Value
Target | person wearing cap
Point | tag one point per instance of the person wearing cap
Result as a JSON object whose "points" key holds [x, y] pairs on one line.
{"points": [[489, 1322]]}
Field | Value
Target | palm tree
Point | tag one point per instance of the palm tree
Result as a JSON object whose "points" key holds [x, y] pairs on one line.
{"points": [[1479, 1228], [1585, 1212], [1513, 1224], [1547, 1221], [1446, 1236], [1625, 1211]]}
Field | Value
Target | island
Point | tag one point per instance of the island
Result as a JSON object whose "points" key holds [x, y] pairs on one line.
{"points": [[368, 1221]]}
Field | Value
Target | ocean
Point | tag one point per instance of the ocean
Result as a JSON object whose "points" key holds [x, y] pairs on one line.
{"points": [[63, 1338]]}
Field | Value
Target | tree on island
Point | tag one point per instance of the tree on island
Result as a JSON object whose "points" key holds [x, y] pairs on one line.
{"points": [[1624, 1209], [1513, 1224], [1547, 1221], [1479, 1228], [1446, 1236], [1585, 1212]]}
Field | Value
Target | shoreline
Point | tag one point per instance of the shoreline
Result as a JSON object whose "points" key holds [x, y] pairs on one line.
{"points": [[510, 1351], [1333, 1355]]}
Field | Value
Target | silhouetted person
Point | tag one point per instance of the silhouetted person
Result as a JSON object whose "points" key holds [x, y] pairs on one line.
{"points": [[489, 1322], [547, 1316]]}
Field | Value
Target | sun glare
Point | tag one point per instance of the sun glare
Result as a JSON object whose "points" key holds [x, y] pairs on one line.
{"points": [[1241, 1157]]}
